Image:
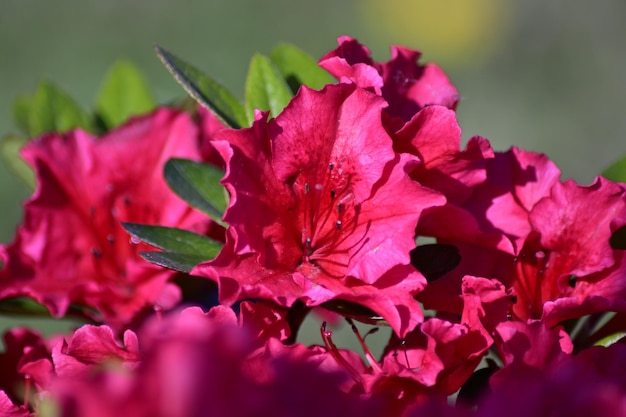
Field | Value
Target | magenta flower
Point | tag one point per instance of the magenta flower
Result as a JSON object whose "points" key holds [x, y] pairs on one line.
{"points": [[491, 225], [405, 85], [197, 364], [71, 247], [92, 346], [314, 209], [589, 383], [567, 267], [25, 362]]}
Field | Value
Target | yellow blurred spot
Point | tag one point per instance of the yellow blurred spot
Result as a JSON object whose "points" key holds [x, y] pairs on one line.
{"points": [[451, 32]]}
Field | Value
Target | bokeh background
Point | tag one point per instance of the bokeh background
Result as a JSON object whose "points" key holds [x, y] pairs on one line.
{"points": [[544, 75]]}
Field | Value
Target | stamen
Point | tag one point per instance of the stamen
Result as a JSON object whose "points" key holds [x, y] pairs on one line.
{"points": [[331, 166], [338, 224], [27, 384], [306, 188], [406, 355], [158, 312], [332, 194], [332, 349], [110, 239], [368, 353], [97, 253]]}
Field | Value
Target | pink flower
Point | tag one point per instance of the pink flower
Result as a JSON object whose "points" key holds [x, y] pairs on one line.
{"points": [[590, 383], [8, 409], [314, 212], [567, 267], [92, 346], [197, 364], [71, 247], [25, 361], [491, 225], [405, 85]]}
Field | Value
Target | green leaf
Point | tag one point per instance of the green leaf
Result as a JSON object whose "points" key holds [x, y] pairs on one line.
{"points": [[205, 90], [617, 171], [199, 185], [182, 262], [124, 93], [23, 306], [265, 88], [610, 340], [174, 240], [299, 68], [9, 149], [52, 110]]}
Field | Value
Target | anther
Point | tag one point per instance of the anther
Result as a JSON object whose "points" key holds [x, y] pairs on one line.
{"points": [[332, 194], [339, 207], [331, 166], [406, 355], [110, 239], [306, 188], [338, 224], [97, 253]]}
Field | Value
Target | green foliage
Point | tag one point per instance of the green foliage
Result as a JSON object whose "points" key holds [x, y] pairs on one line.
{"points": [[199, 185], [610, 340], [182, 262], [9, 149], [265, 88], [124, 93], [182, 249], [49, 110], [299, 68], [205, 90], [617, 171]]}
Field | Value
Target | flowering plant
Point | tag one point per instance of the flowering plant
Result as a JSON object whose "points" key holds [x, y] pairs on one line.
{"points": [[193, 239]]}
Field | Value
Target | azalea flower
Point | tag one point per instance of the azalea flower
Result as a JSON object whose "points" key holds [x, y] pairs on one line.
{"points": [[405, 85], [589, 383], [71, 247], [26, 365], [567, 267], [490, 224], [205, 364], [314, 213]]}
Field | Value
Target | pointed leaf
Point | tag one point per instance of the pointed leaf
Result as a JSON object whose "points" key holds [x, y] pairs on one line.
{"points": [[205, 90], [9, 149], [124, 93], [199, 185], [52, 110], [299, 68], [611, 339], [174, 239], [265, 88], [182, 262], [617, 171]]}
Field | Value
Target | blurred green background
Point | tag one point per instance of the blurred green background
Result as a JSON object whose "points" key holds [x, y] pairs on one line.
{"points": [[546, 76]]}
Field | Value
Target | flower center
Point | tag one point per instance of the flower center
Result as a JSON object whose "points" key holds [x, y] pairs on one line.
{"points": [[530, 287], [328, 212]]}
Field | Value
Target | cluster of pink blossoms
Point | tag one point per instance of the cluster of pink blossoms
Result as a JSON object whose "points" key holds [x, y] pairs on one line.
{"points": [[326, 201]]}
